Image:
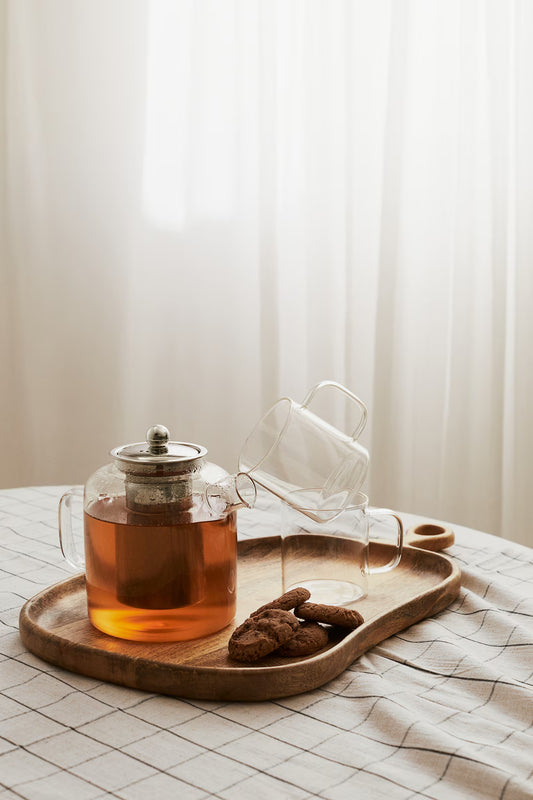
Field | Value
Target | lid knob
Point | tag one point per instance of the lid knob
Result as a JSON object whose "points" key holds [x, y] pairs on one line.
{"points": [[157, 437]]}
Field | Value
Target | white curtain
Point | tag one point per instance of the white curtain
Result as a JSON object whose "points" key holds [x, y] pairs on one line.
{"points": [[207, 205]]}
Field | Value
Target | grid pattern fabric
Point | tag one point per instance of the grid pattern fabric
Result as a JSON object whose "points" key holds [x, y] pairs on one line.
{"points": [[443, 710]]}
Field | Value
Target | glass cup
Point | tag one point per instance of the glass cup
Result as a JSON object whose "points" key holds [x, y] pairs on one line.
{"points": [[330, 557], [292, 450]]}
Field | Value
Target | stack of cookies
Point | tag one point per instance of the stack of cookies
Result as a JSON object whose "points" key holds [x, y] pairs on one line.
{"points": [[289, 626]]}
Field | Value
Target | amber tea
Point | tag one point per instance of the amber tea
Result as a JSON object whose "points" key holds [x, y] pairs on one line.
{"points": [[159, 576]]}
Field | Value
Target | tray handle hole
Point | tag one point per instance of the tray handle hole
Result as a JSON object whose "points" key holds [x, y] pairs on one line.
{"points": [[429, 530]]}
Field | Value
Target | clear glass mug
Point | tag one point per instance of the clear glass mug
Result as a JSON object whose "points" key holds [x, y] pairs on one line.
{"points": [[301, 458], [330, 557]]}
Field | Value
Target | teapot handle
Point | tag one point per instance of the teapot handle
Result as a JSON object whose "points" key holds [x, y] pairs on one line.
{"points": [[351, 395], [66, 532]]}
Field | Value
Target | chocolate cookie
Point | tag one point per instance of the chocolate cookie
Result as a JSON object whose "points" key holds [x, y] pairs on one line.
{"points": [[332, 615], [309, 638], [287, 601], [260, 635]]}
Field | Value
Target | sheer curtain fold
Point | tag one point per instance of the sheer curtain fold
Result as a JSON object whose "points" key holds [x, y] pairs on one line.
{"points": [[211, 204]]}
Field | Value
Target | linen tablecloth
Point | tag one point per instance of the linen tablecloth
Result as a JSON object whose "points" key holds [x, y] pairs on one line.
{"points": [[442, 710]]}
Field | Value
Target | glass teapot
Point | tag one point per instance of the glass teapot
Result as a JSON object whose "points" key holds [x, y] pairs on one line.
{"points": [[160, 540]]}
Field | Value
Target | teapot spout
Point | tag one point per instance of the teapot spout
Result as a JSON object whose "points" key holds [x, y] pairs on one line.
{"points": [[234, 492]]}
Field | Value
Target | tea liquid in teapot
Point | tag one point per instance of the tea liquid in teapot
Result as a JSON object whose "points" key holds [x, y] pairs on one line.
{"points": [[159, 579]]}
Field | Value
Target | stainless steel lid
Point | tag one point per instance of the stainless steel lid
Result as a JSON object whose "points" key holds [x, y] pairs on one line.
{"points": [[159, 451]]}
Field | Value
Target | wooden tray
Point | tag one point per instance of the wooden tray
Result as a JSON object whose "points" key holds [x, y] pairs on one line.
{"points": [[54, 626]]}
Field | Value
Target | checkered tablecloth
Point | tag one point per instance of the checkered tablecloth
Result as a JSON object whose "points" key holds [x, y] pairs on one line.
{"points": [[443, 710]]}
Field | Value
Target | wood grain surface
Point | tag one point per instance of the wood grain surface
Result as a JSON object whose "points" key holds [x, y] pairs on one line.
{"points": [[54, 626]]}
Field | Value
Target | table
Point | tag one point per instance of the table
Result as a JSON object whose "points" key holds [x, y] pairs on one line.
{"points": [[442, 710]]}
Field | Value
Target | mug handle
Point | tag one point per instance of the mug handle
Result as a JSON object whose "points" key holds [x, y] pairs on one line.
{"points": [[351, 395], [381, 512], [66, 533]]}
